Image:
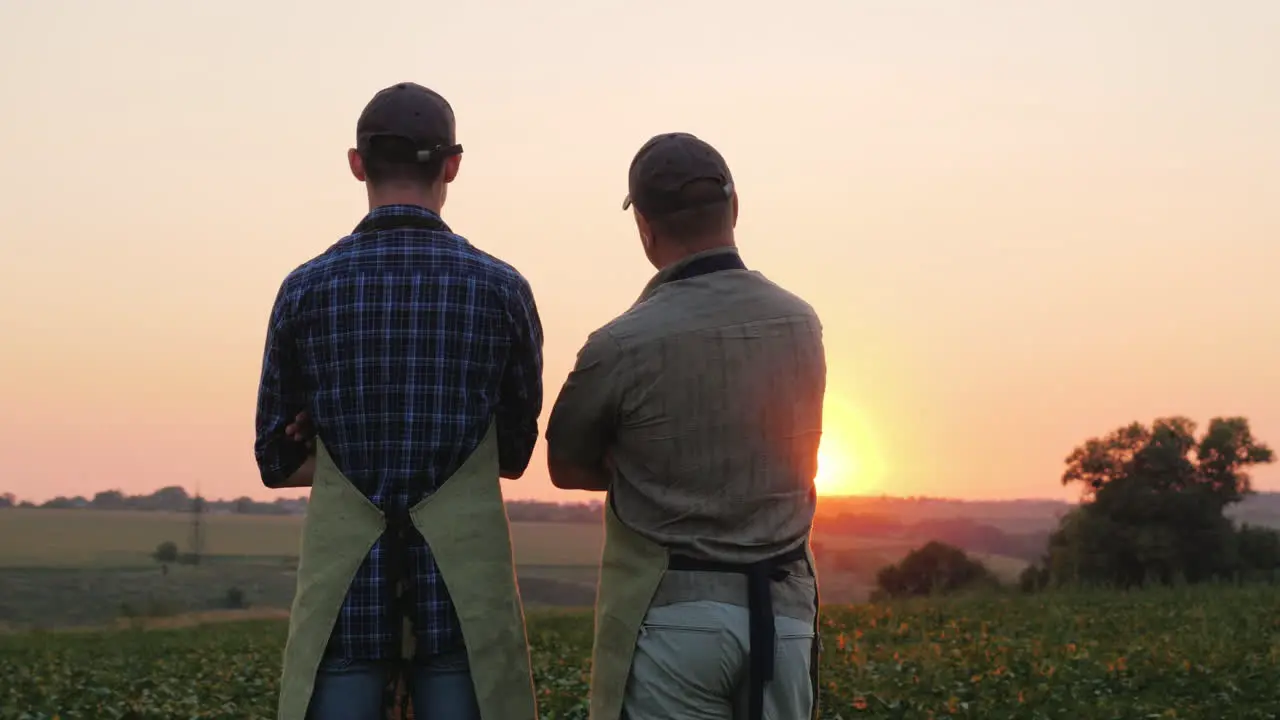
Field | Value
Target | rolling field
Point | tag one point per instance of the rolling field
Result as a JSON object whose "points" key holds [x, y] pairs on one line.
{"points": [[104, 538], [63, 568], [1210, 653]]}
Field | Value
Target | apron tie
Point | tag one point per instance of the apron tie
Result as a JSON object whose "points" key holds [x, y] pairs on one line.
{"points": [[762, 633], [396, 540]]}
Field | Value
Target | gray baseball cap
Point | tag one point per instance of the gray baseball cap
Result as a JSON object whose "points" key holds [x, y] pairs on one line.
{"points": [[411, 112], [665, 165]]}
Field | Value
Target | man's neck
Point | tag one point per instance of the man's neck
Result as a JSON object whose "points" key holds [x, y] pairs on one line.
{"points": [[405, 196], [687, 250]]}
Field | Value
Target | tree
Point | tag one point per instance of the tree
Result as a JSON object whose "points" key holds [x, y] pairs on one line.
{"points": [[166, 552], [1033, 577], [934, 568], [1167, 457], [1258, 550], [7, 500], [109, 500], [1154, 502]]}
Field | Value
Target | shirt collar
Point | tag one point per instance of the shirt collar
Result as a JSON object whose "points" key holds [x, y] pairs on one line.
{"points": [[669, 272], [402, 210]]}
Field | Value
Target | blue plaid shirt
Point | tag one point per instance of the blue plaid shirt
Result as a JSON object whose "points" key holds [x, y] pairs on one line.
{"points": [[402, 344]]}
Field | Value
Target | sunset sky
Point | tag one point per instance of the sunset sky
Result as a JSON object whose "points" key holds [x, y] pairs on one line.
{"points": [[1023, 223]]}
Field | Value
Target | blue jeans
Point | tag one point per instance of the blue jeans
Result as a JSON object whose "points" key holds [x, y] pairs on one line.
{"points": [[352, 690]]}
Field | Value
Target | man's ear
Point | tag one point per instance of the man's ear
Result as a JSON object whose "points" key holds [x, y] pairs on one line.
{"points": [[643, 227], [357, 164], [734, 202], [451, 167]]}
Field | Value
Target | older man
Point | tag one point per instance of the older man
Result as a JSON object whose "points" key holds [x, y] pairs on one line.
{"points": [[699, 410]]}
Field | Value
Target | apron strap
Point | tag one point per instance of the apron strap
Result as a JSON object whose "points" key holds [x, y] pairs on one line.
{"points": [[761, 633]]}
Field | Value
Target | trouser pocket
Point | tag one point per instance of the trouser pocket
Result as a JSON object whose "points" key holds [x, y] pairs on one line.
{"points": [[789, 695]]}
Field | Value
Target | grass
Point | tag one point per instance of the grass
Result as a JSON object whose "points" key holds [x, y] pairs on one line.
{"points": [[1194, 653]]}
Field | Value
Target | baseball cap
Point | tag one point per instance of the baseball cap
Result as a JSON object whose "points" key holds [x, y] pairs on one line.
{"points": [[411, 112], [668, 163]]}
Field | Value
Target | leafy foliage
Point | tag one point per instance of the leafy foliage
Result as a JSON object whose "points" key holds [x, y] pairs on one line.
{"points": [[1154, 508], [934, 568], [166, 552], [1204, 652], [1167, 457]]}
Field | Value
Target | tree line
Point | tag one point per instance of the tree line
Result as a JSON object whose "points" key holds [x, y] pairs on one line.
{"points": [[1153, 511], [176, 499]]}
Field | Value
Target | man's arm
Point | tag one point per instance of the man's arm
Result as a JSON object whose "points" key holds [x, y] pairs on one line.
{"points": [[584, 419], [282, 461], [302, 477], [520, 397]]}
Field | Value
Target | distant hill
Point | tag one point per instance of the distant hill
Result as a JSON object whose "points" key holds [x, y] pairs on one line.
{"points": [[1258, 509], [1261, 508], [1017, 530]]}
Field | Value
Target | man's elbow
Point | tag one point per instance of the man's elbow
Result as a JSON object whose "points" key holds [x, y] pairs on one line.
{"points": [[512, 462], [559, 477], [515, 446], [274, 475], [275, 468], [570, 476]]}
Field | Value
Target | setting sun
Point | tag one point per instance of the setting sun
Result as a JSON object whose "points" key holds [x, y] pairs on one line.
{"points": [[835, 472], [849, 461]]}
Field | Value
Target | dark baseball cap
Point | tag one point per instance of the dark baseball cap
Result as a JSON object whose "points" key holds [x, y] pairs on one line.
{"points": [[411, 112], [667, 164]]}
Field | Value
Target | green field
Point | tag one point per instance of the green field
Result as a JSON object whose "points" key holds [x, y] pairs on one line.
{"points": [[1211, 653]]}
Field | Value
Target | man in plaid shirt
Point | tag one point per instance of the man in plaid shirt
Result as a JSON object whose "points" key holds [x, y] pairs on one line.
{"points": [[397, 346]]}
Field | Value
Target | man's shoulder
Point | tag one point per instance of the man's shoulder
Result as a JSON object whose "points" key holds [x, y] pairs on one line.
{"points": [[731, 299], [458, 253], [785, 298], [502, 272], [601, 344], [297, 279]]}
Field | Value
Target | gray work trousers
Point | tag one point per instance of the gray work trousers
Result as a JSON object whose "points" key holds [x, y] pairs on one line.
{"points": [[691, 663]]}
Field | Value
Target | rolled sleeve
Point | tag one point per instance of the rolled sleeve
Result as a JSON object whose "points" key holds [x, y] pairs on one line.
{"points": [[281, 396], [584, 419]]}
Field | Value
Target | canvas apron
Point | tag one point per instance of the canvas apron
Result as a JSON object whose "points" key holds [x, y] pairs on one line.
{"points": [[632, 568], [464, 523]]}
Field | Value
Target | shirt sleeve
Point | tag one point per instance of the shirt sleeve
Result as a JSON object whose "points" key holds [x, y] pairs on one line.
{"points": [[281, 396], [584, 419], [520, 396]]}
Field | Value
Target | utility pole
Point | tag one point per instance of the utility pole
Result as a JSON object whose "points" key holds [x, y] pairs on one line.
{"points": [[197, 527]]}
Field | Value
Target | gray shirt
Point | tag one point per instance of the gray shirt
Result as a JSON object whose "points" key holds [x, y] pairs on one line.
{"points": [[703, 402]]}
